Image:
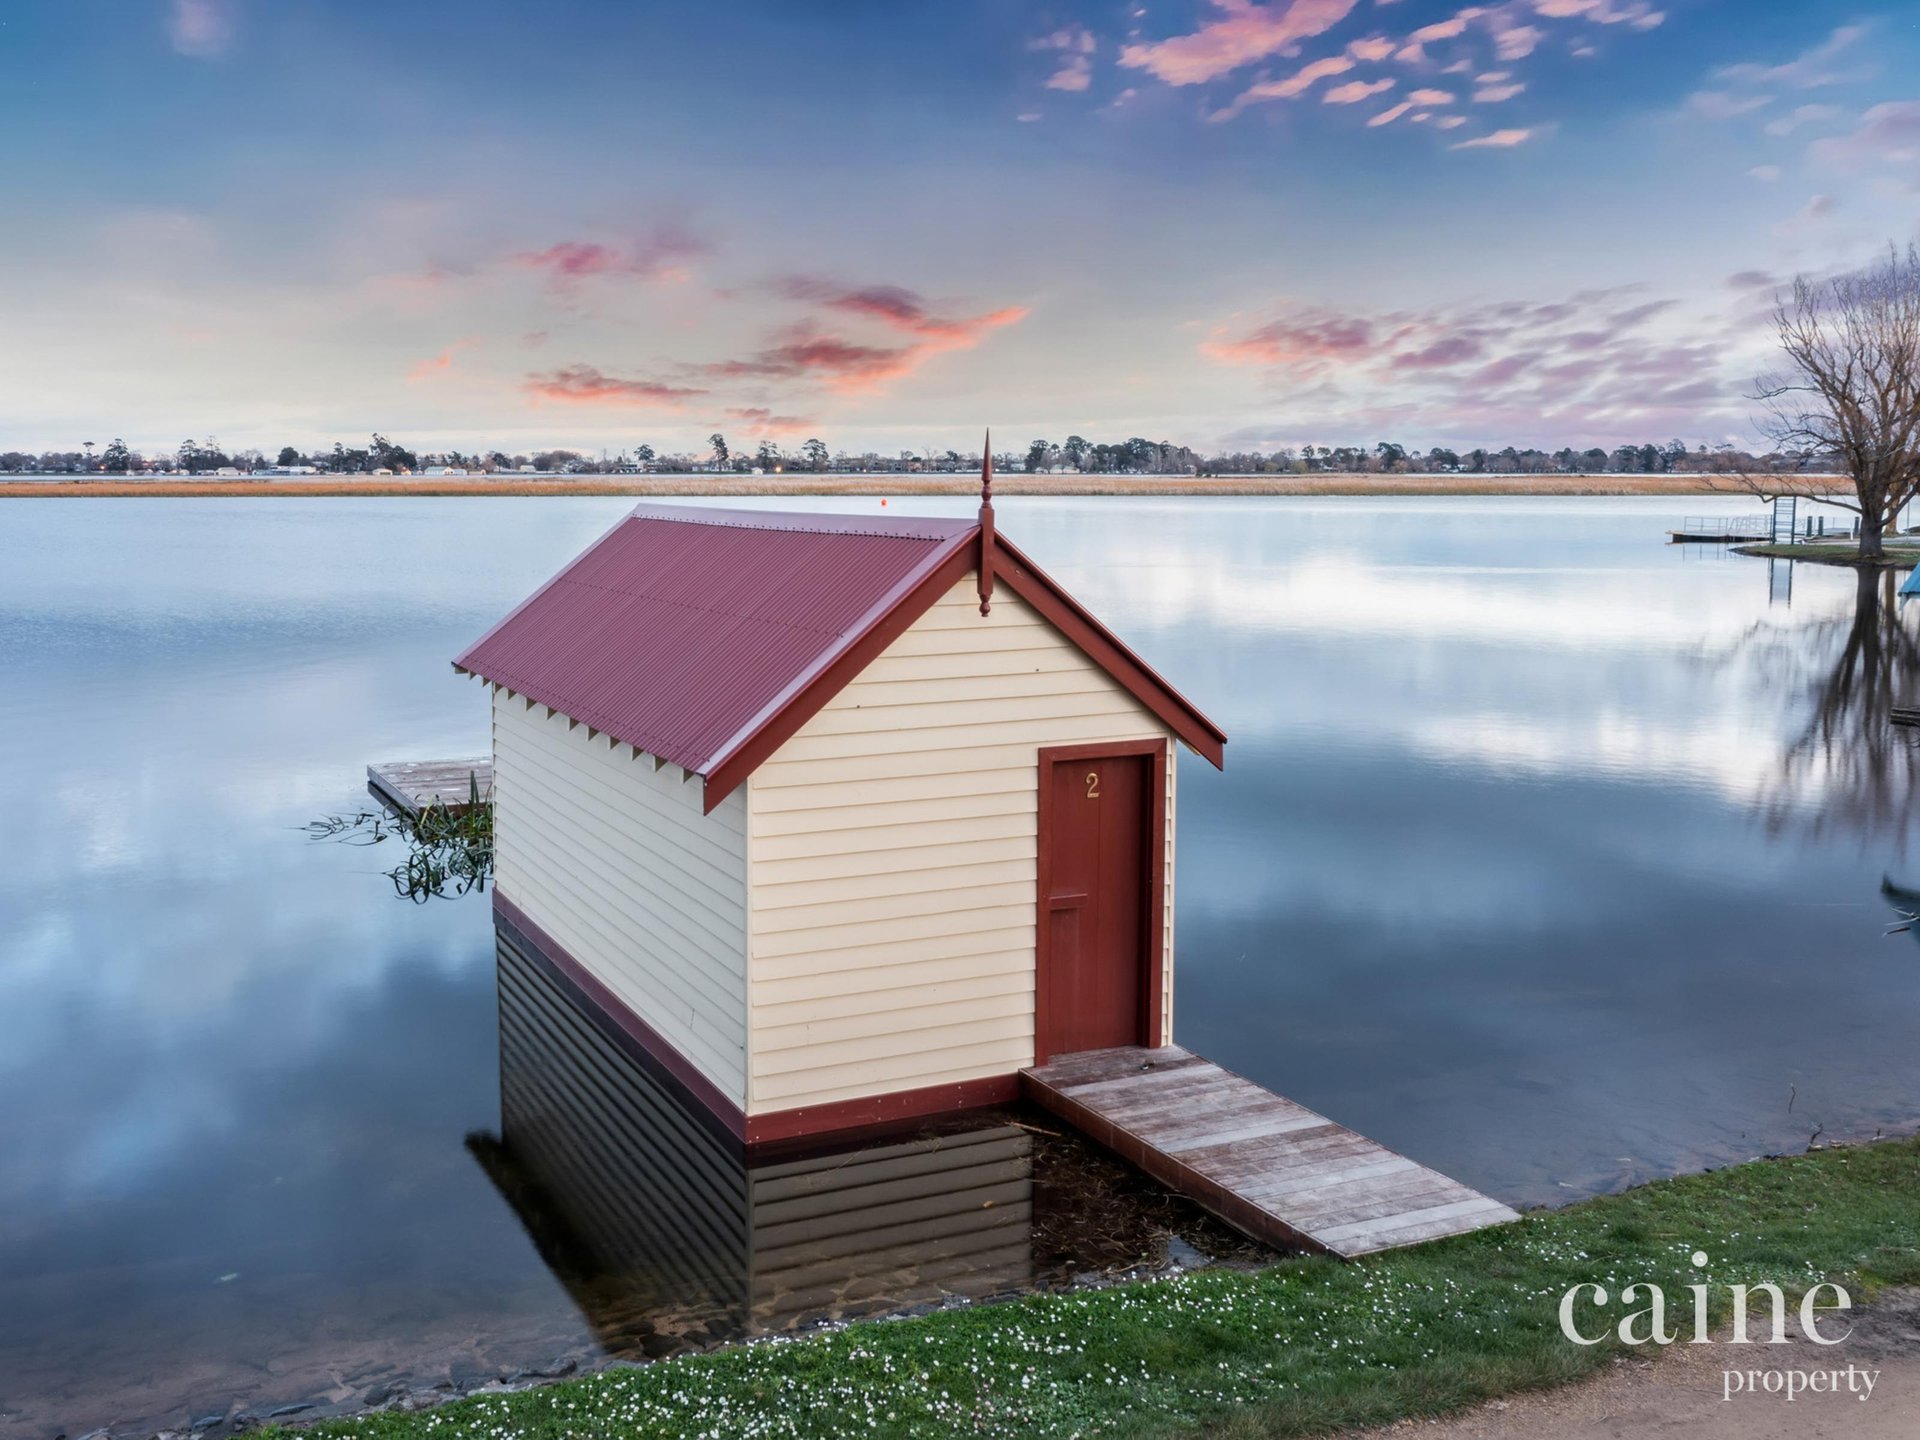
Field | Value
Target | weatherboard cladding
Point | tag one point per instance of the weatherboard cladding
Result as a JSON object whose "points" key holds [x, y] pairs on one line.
{"points": [[680, 629]]}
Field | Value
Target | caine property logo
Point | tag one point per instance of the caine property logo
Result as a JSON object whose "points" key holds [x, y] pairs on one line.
{"points": [[1645, 1323]]}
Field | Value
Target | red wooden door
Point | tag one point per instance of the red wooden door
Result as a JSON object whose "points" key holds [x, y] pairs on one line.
{"points": [[1096, 833]]}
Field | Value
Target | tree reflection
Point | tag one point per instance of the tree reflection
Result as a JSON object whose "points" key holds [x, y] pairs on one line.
{"points": [[1849, 767]]}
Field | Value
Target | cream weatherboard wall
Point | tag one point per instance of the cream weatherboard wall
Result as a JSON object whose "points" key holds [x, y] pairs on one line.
{"points": [[613, 858], [892, 848]]}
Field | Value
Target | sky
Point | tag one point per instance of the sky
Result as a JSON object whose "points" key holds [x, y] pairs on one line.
{"points": [[892, 223]]}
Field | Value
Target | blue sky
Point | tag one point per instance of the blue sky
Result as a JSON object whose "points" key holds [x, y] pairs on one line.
{"points": [[1222, 222]]}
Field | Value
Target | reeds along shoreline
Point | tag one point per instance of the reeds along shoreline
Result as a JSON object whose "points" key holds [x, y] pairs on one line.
{"points": [[901, 485]]}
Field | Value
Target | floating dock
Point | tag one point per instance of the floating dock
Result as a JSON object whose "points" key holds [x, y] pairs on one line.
{"points": [[408, 786], [1728, 530], [1270, 1168]]}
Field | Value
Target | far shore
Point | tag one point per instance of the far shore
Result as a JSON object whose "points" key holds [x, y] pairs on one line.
{"points": [[901, 485]]}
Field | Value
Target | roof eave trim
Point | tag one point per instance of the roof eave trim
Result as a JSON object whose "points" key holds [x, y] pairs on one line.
{"points": [[1141, 680]]}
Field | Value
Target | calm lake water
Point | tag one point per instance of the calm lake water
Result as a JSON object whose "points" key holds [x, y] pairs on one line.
{"points": [[1546, 853]]}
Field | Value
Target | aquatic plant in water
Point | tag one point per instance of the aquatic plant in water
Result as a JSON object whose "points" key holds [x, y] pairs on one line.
{"points": [[449, 847]]}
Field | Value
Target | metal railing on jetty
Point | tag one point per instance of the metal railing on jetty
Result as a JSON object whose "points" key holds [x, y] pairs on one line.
{"points": [[1781, 524]]}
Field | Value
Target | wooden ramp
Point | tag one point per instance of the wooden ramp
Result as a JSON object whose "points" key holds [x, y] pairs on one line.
{"points": [[407, 785], [1268, 1167]]}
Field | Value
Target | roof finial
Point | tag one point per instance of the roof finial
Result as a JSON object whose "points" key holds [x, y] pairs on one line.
{"points": [[986, 525]]}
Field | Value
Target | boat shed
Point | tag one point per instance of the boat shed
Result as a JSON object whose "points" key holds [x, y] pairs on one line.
{"points": [[842, 820]]}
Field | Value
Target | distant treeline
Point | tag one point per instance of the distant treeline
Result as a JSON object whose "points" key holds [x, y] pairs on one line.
{"points": [[1135, 456]]}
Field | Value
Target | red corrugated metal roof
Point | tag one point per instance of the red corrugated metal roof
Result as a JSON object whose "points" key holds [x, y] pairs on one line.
{"points": [[680, 630], [707, 637]]}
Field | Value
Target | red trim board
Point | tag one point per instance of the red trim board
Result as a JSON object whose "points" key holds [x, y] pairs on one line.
{"points": [[758, 1135]]}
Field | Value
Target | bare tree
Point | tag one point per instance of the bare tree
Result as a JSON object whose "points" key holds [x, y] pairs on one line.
{"points": [[1844, 767], [1849, 392]]}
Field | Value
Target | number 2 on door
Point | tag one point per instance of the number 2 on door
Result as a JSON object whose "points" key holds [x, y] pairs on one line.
{"points": [[1093, 784]]}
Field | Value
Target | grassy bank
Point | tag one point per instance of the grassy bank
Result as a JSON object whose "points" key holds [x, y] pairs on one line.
{"points": [[669, 485], [1300, 1347], [1840, 552]]}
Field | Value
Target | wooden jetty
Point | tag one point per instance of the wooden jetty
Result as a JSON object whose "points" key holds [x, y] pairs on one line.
{"points": [[406, 786], [1737, 530], [1271, 1168], [1906, 714], [1714, 537]]}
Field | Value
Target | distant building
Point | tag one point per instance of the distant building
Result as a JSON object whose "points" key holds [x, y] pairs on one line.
{"points": [[227, 470], [455, 471]]}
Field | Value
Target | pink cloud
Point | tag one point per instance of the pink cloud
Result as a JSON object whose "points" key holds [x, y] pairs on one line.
{"points": [[438, 364], [1243, 33], [1294, 85], [1075, 73], [1388, 116], [1635, 13], [1449, 29], [587, 385], [1597, 359], [1515, 42], [658, 256], [899, 308], [1356, 90], [1449, 351], [1316, 335], [1067, 37], [1498, 140], [845, 365], [1075, 45], [807, 352]]}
